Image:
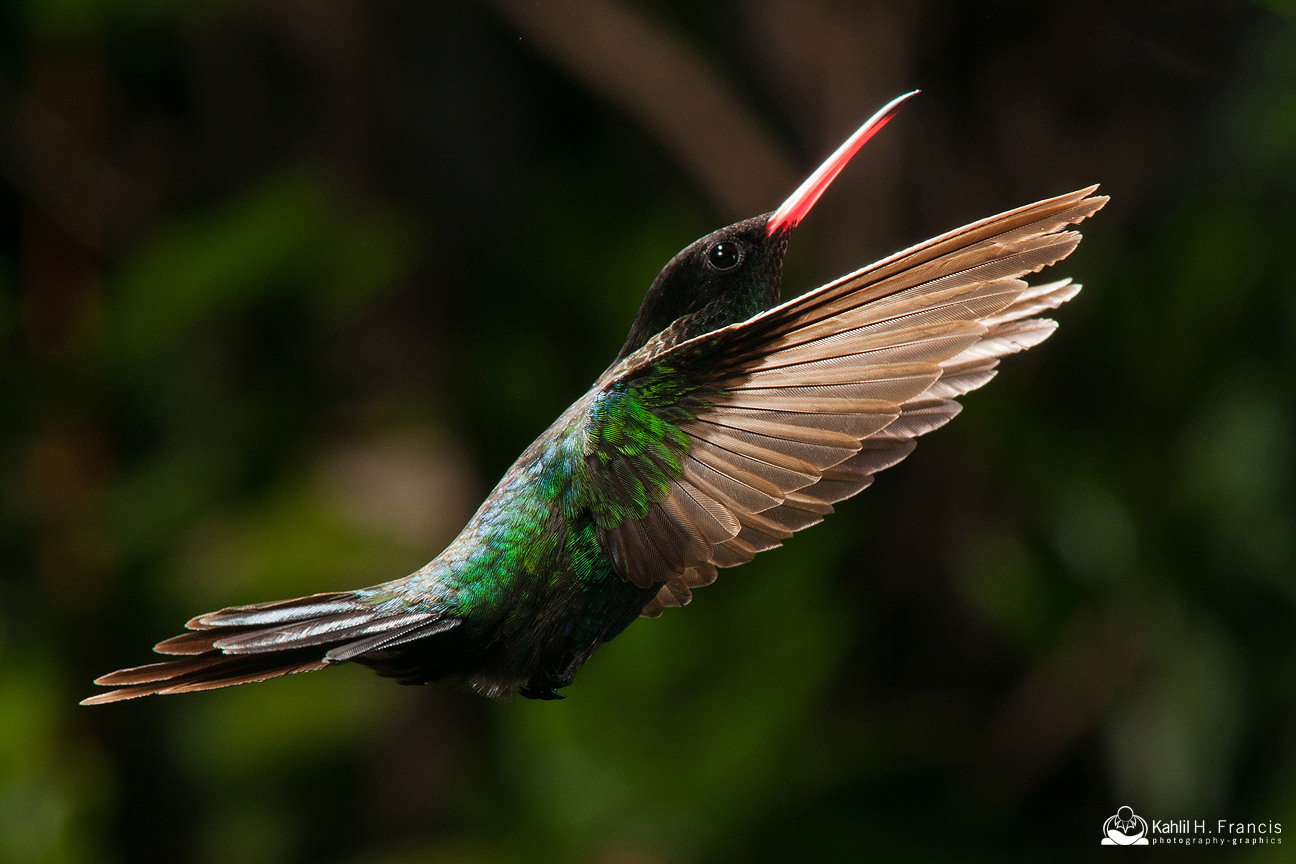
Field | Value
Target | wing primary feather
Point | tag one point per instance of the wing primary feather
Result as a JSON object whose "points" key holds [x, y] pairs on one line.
{"points": [[723, 485], [732, 553], [645, 566], [766, 429], [698, 544], [718, 522], [876, 455], [793, 518], [924, 418], [851, 427], [830, 490], [755, 461], [700, 576]]}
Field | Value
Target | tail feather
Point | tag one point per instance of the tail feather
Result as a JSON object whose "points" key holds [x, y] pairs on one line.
{"points": [[321, 631], [253, 643], [278, 611], [198, 642], [383, 641], [198, 673]]}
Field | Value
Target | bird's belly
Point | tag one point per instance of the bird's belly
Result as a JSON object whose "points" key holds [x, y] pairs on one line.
{"points": [[534, 589], [535, 637]]}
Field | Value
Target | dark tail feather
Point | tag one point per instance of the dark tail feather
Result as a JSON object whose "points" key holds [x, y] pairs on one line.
{"points": [[253, 643], [205, 672]]}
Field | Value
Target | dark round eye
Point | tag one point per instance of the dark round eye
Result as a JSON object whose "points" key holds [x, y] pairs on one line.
{"points": [[724, 255]]}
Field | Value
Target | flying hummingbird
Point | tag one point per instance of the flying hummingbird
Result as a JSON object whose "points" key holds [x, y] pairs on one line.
{"points": [[727, 422]]}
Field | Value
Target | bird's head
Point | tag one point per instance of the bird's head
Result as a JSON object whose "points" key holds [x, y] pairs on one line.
{"points": [[736, 272]]}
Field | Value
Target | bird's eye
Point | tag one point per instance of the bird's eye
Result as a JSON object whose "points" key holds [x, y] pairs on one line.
{"points": [[724, 256]]}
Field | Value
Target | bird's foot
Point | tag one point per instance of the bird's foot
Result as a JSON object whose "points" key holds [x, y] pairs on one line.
{"points": [[541, 693]]}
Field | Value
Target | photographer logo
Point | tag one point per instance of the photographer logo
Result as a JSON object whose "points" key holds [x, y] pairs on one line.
{"points": [[1126, 828]]}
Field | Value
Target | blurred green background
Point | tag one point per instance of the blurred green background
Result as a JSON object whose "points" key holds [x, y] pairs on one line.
{"points": [[285, 285]]}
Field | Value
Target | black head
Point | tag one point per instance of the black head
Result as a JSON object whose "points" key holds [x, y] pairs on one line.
{"points": [[730, 274], [736, 272]]}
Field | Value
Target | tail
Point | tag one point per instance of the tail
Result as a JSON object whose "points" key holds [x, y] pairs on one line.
{"points": [[253, 643]]}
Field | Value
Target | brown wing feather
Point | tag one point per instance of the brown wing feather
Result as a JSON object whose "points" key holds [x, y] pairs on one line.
{"points": [[819, 394]]}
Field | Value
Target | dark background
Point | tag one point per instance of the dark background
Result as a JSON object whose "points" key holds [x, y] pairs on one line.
{"points": [[285, 285]]}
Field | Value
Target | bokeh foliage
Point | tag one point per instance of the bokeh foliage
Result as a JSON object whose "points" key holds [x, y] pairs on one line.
{"points": [[284, 286]]}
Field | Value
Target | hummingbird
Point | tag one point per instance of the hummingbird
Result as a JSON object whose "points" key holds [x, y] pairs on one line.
{"points": [[728, 421]]}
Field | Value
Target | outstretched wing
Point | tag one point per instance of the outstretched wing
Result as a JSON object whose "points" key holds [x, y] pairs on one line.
{"points": [[726, 444]]}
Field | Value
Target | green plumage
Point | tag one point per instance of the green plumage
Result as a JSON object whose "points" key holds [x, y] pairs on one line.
{"points": [[726, 423]]}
